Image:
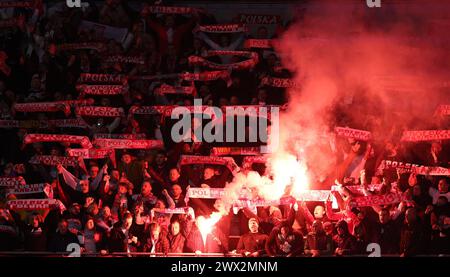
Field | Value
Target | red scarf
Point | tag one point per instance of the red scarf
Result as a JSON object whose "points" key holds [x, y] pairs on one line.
{"points": [[96, 111], [353, 133], [82, 140], [247, 64], [128, 143], [425, 135]]}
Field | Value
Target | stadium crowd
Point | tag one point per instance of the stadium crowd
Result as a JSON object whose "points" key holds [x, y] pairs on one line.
{"points": [[134, 199]]}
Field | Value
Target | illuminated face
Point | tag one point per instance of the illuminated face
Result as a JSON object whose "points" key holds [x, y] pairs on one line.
{"points": [[176, 191], [90, 224], [62, 226], [155, 232], [84, 185], [284, 232], [208, 173], [106, 211], [126, 158], [443, 186], [384, 217], [35, 221], [175, 228], [128, 222], [174, 175], [319, 212], [122, 189], [253, 225], [146, 188], [93, 171], [115, 174], [160, 204]]}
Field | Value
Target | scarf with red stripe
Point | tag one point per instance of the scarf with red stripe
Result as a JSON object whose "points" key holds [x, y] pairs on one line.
{"points": [[42, 107], [377, 200], [225, 161], [230, 151], [82, 140], [247, 162], [128, 143], [54, 160], [125, 59], [167, 89], [170, 10], [102, 89], [413, 168], [425, 135], [278, 82], [223, 28], [252, 60], [353, 133], [97, 111]]}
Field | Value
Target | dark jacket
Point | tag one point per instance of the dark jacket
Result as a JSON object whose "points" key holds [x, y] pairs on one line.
{"points": [[118, 241], [291, 245], [413, 239], [345, 241], [319, 241], [161, 246], [176, 243], [252, 242]]}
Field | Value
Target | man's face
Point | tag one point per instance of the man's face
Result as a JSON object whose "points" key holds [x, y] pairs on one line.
{"points": [[115, 174], [122, 189], [160, 159], [174, 175], [126, 158], [284, 231], [62, 226], [316, 226], [106, 211], [208, 173], [75, 209], [84, 184], [375, 180], [146, 188], [319, 212], [253, 225], [175, 228], [90, 224], [93, 171], [35, 221], [128, 222], [176, 191], [155, 232], [160, 205], [384, 217], [443, 186]]}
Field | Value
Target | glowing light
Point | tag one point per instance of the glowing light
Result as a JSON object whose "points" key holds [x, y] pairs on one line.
{"points": [[205, 225]]}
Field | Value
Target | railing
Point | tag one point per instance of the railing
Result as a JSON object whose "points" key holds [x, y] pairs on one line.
{"points": [[148, 254]]}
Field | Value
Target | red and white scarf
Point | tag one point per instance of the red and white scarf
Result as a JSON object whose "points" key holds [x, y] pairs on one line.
{"points": [[29, 189], [353, 133], [146, 110], [82, 140], [358, 189], [242, 203], [92, 153], [278, 82], [98, 46], [413, 168], [125, 59], [42, 107], [11, 182], [128, 143], [43, 124], [170, 211], [102, 89], [97, 111], [377, 200], [54, 160], [249, 110], [247, 64], [425, 135], [170, 10], [68, 123], [78, 102], [223, 28], [265, 19], [232, 151], [247, 162], [119, 136], [225, 161], [258, 43], [35, 204], [93, 78], [205, 193], [167, 89]]}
